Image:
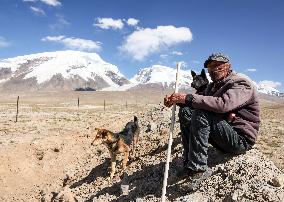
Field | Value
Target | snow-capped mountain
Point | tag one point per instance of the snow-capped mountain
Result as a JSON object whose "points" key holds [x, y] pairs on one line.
{"points": [[166, 76], [267, 89], [264, 87], [163, 75], [61, 70], [69, 70]]}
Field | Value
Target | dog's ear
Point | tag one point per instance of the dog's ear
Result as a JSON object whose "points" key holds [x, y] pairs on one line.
{"points": [[193, 74], [203, 74]]}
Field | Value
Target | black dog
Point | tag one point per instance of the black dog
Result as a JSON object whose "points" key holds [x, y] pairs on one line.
{"points": [[200, 82], [130, 133]]}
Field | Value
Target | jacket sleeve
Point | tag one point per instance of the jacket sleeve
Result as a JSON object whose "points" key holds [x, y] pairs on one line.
{"points": [[237, 94]]}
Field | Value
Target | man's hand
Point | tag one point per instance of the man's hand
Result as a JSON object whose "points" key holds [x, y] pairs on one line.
{"points": [[174, 99], [231, 117], [167, 101]]}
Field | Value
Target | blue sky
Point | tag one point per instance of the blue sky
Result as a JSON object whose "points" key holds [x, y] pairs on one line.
{"points": [[134, 34]]}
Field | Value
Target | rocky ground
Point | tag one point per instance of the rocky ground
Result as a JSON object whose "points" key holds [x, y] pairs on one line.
{"points": [[47, 156]]}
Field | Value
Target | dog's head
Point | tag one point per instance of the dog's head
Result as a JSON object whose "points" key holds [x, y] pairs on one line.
{"points": [[102, 134], [199, 82]]}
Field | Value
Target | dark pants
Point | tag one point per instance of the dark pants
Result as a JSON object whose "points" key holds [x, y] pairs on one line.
{"points": [[199, 128]]}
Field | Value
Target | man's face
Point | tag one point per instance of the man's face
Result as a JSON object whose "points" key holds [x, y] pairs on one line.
{"points": [[218, 70]]}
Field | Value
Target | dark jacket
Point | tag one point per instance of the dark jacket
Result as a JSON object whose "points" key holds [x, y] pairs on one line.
{"points": [[234, 94]]}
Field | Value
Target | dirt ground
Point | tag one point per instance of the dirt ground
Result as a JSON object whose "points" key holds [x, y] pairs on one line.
{"points": [[51, 141]]}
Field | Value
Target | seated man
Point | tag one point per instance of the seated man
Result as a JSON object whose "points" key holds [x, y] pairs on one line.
{"points": [[226, 115]]}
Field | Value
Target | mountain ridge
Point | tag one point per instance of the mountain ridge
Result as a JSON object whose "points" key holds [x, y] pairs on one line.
{"points": [[70, 70], [62, 70]]}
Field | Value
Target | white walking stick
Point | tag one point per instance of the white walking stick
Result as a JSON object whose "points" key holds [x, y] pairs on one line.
{"points": [[170, 140]]}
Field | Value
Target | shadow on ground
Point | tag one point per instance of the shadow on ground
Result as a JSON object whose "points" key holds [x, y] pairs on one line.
{"points": [[98, 171]]}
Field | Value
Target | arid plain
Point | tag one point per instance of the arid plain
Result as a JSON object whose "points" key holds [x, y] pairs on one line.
{"points": [[51, 140]]}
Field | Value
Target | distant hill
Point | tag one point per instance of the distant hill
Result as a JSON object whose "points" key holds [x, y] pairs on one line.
{"points": [[71, 70], [61, 70]]}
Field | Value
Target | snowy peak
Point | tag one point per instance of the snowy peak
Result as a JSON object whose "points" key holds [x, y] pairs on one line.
{"points": [[87, 68], [266, 88], [166, 76], [162, 74]]}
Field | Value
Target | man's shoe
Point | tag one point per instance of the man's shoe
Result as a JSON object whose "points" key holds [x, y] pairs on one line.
{"points": [[196, 177], [183, 172], [200, 175]]}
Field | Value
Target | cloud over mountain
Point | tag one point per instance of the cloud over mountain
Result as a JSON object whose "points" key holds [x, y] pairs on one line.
{"points": [[75, 43], [143, 42], [47, 2]]}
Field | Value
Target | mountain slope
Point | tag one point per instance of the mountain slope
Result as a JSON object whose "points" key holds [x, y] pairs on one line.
{"points": [[62, 70], [163, 75]]}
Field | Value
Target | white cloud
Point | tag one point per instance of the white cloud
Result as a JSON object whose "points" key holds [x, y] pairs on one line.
{"points": [[51, 2], [177, 53], [251, 70], [132, 21], [75, 43], [48, 2], [53, 38], [270, 84], [163, 56], [3, 42], [144, 42], [108, 23], [60, 23], [37, 10]]}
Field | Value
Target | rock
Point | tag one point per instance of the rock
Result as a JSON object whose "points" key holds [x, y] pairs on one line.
{"points": [[66, 180], [269, 194], [236, 195], [66, 195], [56, 149], [39, 154], [152, 126], [195, 197], [278, 181]]}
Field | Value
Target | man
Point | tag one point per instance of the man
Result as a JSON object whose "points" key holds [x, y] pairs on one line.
{"points": [[226, 116]]}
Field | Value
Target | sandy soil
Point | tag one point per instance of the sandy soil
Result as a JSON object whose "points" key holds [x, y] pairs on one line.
{"points": [[50, 143]]}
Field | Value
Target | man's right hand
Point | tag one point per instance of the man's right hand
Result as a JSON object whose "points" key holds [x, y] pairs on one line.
{"points": [[167, 101]]}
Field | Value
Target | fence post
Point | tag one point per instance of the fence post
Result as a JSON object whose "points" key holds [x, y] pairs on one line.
{"points": [[17, 108], [104, 105], [78, 103]]}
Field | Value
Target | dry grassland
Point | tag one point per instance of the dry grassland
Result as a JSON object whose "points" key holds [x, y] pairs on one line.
{"points": [[53, 136]]}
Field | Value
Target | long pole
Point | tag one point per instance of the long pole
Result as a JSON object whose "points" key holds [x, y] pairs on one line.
{"points": [[170, 140]]}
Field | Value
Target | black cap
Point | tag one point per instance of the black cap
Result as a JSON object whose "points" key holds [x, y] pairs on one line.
{"points": [[221, 57]]}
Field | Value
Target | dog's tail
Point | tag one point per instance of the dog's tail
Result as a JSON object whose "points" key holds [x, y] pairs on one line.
{"points": [[135, 119]]}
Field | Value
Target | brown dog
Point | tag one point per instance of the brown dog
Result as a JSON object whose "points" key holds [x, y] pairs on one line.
{"points": [[119, 142]]}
